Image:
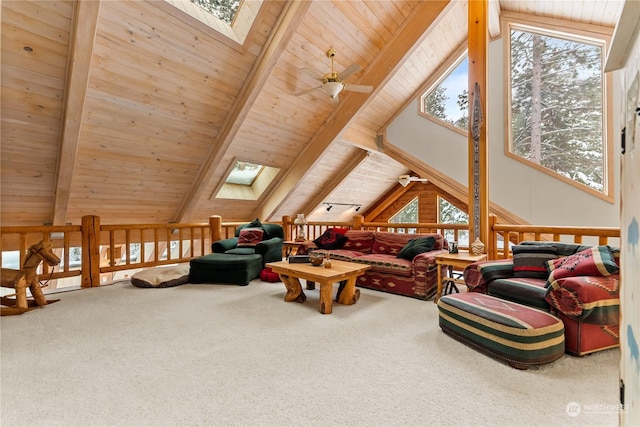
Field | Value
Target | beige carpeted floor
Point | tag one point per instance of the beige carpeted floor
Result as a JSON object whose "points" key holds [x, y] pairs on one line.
{"points": [[221, 355]]}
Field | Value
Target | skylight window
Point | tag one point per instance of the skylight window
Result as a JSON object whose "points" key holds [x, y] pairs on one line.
{"points": [[231, 19], [225, 10], [244, 173]]}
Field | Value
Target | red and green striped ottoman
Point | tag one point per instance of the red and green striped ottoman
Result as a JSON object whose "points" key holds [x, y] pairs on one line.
{"points": [[520, 335]]}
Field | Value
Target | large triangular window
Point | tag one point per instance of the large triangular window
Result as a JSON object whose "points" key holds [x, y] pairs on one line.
{"points": [[407, 215]]}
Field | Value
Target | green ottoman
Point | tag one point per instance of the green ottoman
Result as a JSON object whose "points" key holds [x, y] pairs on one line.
{"points": [[225, 268], [520, 335]]}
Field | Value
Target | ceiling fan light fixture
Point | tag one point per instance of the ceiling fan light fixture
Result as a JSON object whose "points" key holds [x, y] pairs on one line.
{"points": [[332, 89], [404, 180]]}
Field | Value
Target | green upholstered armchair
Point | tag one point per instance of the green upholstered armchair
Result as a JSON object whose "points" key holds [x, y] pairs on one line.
{"points": [[270, 247]]}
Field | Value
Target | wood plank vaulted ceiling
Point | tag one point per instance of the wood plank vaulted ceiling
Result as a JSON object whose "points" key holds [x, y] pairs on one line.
{"points": [[135, 111]]}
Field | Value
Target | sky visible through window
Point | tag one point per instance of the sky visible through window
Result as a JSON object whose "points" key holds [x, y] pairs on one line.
{"points": [[448, 100], [456, 83]]}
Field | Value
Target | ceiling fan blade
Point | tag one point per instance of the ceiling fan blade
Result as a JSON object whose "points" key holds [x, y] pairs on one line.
{"points": [[358, 88], [349, 71], [304, 92], [310, 73]]}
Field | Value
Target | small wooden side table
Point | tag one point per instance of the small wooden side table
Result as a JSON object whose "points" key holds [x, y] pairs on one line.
{"points": [[458, 261], [288, 246]]}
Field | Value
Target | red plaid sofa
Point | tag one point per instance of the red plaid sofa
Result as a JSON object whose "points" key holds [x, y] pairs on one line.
{"points": [[417, 278]]}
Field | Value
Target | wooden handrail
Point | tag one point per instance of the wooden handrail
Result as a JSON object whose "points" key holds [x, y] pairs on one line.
{"points": [[108, 248]]}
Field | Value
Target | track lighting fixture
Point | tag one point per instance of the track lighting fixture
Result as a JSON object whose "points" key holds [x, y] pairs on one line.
{"points": [[331, 204]]}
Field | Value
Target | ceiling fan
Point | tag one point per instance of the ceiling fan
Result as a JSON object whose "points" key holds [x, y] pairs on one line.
{"points": [[333, 83], [404, 180]]}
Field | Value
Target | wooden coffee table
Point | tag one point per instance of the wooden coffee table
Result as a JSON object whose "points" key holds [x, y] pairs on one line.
{"points": [[340, 271]]}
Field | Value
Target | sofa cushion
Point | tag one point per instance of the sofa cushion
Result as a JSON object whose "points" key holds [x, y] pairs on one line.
{"points": [[340, 254], [594, 261], [564, 249], [359, 240], [255, 224], [416, 246], [592, 299], [390, 243], [330, 239], [386, 263], [531, 260], [527, 291], [250, 237]]}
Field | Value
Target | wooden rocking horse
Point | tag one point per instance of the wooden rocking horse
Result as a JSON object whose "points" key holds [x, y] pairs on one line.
{"points": [[27, 277]]}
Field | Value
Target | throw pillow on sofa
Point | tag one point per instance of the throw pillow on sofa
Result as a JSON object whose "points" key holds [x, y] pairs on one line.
{"points": [[330, 239], [530, 261], [594, 261], [257, 224], [416, 246], [250, 237]]}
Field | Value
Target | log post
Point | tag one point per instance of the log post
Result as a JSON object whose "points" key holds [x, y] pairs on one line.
{"points": [[286, 225], [90, 251], [357, 222], [215, 226], [478, 42]]}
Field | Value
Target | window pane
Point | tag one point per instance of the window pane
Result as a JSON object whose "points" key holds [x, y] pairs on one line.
{"points": [[449, 214], [224, 10], [448, 101], [407, 215], [244, 173], [556, 105]]}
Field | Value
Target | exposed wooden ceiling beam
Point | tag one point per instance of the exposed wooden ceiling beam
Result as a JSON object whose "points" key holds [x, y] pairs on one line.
{"points": [[360, 139], [83, 36], [387, 62], [444, 182], [288, 21], [335, 181], [387, 200], [494, 18]]}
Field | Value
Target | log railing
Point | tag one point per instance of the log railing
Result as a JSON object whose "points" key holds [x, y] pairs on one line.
{"points": [[515, 233], [106, 249]]}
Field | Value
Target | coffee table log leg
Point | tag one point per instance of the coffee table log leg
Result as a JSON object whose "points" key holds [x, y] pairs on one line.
{"points": [[347, 292], [294, 289], [325, 298]]}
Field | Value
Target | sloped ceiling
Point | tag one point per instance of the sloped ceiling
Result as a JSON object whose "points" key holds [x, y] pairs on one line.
{"points": [[135, 111]]}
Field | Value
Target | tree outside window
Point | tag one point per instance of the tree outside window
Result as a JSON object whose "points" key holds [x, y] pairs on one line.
{"points": [[449, 214], [224, 10], [449, 100], [556, 102], [407, 215]]}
